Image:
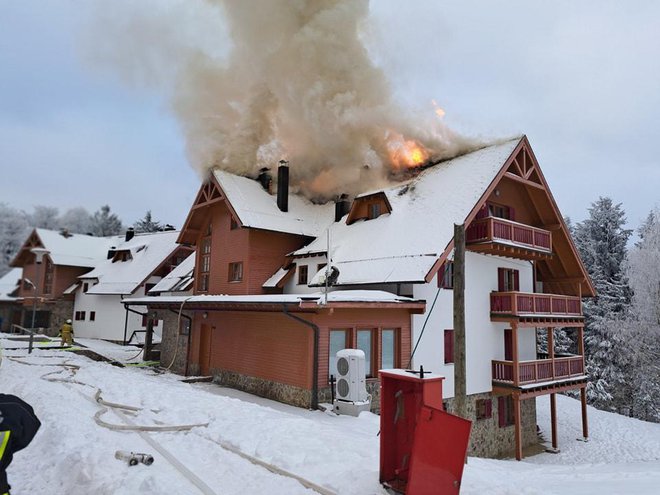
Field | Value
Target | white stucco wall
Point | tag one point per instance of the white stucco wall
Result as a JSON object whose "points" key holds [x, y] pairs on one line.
{"points": [[292, 287], [484, 339], [110, 316]]}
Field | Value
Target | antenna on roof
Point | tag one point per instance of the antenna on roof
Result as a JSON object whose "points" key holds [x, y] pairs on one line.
{"points": [[327, 266]]}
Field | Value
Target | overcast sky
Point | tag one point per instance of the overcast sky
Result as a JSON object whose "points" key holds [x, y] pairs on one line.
{"points": [[581, 79]]}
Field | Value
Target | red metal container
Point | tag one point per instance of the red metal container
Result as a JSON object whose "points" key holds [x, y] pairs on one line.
{"points": [[422, 447]]}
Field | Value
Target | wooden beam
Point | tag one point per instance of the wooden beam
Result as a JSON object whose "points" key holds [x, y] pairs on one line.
{"points": [[518, 426], [529, 183], [585, 425], [514, 353], [460, 388], [553, 419]]}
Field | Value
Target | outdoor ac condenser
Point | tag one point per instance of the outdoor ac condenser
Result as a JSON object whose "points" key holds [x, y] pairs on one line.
{"points": [[351, 395]]}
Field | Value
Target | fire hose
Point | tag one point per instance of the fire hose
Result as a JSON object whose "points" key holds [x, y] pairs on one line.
{"points": [[143, 429]]}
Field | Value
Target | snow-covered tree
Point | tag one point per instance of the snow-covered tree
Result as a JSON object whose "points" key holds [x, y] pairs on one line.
{"points": [[105, 223], [601, 240], [45, 217], [77, 221], [643, 270], [147, 224], [14, 229]]}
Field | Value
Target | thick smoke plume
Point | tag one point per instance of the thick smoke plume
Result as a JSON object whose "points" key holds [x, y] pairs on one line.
{"points": [[298, 84]]}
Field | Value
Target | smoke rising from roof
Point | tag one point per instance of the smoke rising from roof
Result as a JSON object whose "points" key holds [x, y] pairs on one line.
{"points": [[297, 84]]}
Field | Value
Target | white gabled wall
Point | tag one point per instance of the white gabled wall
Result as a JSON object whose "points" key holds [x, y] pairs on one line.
{"points": [[110, 316], [484, 339], [312, 262]]}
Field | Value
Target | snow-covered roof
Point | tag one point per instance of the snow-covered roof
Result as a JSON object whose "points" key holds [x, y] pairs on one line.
{"points": [[76, 249], [147, 252], [9, 283], [277, 278], [339, 296], [404, 245], [178, 279], [258, 209]]}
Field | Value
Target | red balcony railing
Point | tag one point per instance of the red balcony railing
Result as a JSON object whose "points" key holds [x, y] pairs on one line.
{"points": [[540, 370], [492, 229], [523, 303]]}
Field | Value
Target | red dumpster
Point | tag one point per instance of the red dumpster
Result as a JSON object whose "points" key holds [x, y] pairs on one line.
{"points": [[422, 447]]}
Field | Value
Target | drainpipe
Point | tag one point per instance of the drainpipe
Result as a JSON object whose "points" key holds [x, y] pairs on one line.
{"points": [[315, 371]]}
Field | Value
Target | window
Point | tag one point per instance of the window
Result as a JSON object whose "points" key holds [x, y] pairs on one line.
{"points": [[446, 275], [484, 408], [233, 224], [82, 315], [500, 211], [508, 280], [388, 349], [204, 266], [449, 346], [85, 287], [76, 315], [302, 275], [338, 341], [48, 278], [236, 271], [92, 316], [505, 411], [365, 343], [374, 210], [122, 256]]}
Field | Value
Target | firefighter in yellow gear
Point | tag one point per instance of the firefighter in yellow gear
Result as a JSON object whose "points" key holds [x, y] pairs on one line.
{"points": [[66, 332]]}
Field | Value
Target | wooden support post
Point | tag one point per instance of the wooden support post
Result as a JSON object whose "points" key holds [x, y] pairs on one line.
{"points": [[585, 425], [518, 426], [514, 354], [551, 348], [553, 419], [148, 338], [460, 386]]}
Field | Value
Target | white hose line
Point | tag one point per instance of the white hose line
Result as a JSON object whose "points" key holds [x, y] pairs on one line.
{"points": [[187, 473]]}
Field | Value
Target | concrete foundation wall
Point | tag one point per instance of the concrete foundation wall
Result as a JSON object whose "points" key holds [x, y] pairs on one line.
{"points": [[487, 438]]}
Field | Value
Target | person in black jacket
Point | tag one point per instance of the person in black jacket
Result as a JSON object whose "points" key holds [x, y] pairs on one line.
{"points": [[18, 426]]}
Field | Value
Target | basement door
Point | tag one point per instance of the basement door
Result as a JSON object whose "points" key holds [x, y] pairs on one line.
{"points": [[204, 349]]}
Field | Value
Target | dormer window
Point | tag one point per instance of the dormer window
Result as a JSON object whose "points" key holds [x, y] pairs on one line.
{"points": [[369, 207], [374, 210], [124, 255], [302, 275]]}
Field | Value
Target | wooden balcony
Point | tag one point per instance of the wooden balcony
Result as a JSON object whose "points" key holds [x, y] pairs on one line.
{"points": [[538, 371], [503, 237], [534, 307]]}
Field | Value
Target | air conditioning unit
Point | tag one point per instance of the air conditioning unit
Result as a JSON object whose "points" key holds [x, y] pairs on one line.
{"points": [[351, 395]]}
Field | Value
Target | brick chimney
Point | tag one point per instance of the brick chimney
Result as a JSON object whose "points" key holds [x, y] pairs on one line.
{"points": [[342, 207], [130, 233]]}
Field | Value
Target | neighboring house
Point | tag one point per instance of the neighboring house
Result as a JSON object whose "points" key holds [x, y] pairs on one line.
{"points": [[175, 340], [260, 320], [10, 308], [131, 268], [44, 285]]}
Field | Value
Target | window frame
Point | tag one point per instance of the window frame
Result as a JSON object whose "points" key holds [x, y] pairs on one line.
{"points": [[484, 409], [204, 263], [92, 316], [505, 413], [446, 275], [303, 274], [395, 347], [235, 272], [347, 345], [371, 363], [373, 210], [508, 279]]}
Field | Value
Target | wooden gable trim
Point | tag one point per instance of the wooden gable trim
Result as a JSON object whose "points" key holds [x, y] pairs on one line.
{"points": [[32, 241], [210, 192]]}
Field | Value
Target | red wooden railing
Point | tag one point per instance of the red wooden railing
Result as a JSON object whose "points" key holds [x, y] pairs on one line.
{"points": [[524, 303], [500, 229], [540, 370]]}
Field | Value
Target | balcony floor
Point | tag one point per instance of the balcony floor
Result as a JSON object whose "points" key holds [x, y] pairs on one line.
{"points": [[529, 390], [508, 249]]}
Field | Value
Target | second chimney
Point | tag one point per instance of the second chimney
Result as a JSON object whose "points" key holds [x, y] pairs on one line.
{"points": [[283, 186], [130, 232], [342, 207]]}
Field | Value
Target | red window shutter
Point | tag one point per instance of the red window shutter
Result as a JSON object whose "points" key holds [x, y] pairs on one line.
{"points": [[501, 411], [483, 212], [516, 280], [508, 345], [501, 279], [489, 408], [449, 346]]}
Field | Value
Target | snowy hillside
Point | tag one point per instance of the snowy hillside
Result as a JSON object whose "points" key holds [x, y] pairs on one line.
{"points": [[72, 454]]}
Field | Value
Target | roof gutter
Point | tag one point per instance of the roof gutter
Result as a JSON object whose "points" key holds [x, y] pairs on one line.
{"points": [[315, 367]]}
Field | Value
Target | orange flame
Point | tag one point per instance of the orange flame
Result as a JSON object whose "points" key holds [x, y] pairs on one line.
{"points": [[440, 112], [406, 153]]}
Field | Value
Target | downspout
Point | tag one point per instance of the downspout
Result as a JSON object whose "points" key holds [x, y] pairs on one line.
{"points": [[315, 367]]}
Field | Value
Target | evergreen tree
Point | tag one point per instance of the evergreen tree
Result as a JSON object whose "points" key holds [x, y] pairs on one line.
{"points": [[601, 240], [14, 229], [105, 223], [147, 224]]}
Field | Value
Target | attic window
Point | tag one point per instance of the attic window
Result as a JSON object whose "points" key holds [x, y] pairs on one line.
{"points": [[374, 210], [122, 256]]}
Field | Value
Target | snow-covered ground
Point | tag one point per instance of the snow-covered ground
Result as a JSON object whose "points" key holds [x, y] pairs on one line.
{"points": [[73, 455]]}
